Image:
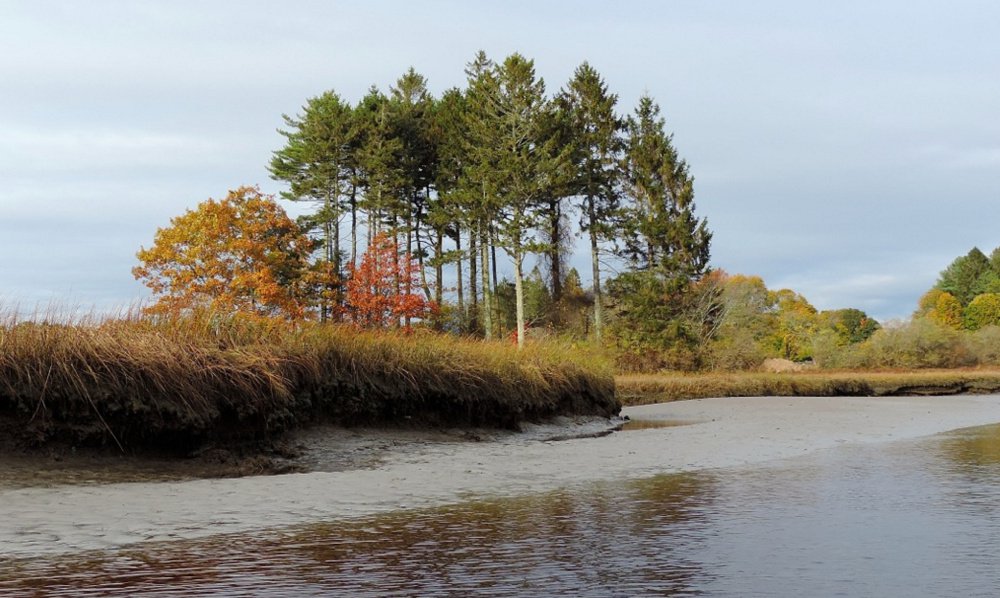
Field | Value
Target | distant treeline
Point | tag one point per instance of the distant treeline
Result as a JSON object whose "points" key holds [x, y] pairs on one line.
{"points": [[967, 294], [416, 198]]}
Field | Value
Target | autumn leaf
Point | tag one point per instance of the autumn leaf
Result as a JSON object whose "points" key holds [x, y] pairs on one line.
{"points": [[381, 289], [239, 254]]}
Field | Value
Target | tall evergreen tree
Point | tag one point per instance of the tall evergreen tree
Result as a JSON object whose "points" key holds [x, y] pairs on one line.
{"points": [[446, 212], [379, 161], [528, 163], [666, 245], [315, 162], [555, 233], [662, 231], [597, 149], [411, 104], [480, 178]]}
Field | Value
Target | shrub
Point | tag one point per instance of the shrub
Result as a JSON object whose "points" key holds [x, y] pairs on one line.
{"points": [[984, 345], [830, 351], [922, 343], [740, 351]]}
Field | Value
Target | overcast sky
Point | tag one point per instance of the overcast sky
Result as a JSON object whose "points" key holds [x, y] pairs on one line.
{"points": [[847, 150]]}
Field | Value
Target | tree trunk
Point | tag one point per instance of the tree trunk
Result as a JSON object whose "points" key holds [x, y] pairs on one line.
{"points": [[438, 269], [458, 268], [596, 266], [420, 260], [473, 282], [493, 256], [555, 238], [397, 283], [324, 309], [519, 296], [337, 266], [354, 225], [484, 247]]}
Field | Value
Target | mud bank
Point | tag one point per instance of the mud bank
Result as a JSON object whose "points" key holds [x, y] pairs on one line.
{"points": [[720, 433]]}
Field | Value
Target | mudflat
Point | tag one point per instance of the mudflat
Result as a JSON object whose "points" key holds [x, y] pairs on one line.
{"points": [[428, 471]]}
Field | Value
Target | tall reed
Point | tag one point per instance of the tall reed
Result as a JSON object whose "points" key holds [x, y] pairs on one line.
{"points": [[174, 383]]}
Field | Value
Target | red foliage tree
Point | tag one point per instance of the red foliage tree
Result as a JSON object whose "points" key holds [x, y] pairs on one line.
{"points": [[381, 289]]}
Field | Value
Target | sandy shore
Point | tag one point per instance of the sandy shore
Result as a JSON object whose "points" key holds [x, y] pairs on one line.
{"points": [[718, 433]]}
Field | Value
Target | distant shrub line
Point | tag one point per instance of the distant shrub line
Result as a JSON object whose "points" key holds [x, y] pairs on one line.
{"points": [[641, 389]]}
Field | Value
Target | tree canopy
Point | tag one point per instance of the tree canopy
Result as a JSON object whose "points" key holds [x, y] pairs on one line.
{"points": [[965, 293], [240, 253], [497, 166], [415, 200]]}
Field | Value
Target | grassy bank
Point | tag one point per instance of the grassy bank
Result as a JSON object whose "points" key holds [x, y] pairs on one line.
{"points": [[641, 389], [175, 385]]}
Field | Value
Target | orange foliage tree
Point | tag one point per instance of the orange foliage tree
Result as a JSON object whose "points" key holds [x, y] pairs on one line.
{"points": [[239, 254], [381, 288]]}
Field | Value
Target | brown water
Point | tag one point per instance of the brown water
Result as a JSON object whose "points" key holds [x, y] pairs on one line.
{"points": [[903, 519], [652, 424]]}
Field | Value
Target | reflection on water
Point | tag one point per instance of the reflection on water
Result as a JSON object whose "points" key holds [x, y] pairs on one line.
{"points": [[540, 545], [652, 424], [910, 518], [974, 448]]}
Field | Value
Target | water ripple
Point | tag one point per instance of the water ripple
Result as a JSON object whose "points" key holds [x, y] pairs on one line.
{"points": [[910, 518]]}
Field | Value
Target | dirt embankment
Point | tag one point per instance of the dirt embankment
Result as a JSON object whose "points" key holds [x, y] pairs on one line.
{"points": [[190, 387]]}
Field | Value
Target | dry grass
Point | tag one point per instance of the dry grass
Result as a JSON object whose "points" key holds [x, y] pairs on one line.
{"points": [[176, 383], [641, 389]]}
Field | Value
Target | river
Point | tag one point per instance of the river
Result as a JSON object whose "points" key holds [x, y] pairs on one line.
{"points": [[902, 518]]}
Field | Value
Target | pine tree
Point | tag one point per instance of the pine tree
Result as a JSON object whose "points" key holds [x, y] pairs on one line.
{"points": [[410, 105], [663, 233], [315, 162], [447, 215], [378, 159], [479, 177], [597, 149], [666, 245], [555, 235], [528, 163]]}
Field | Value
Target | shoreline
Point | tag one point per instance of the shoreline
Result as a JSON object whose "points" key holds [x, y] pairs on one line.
{"points": [[182, 386], [642, 389], [717, 433]]}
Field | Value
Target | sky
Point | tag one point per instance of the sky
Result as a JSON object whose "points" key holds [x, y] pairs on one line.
{"points": [[849, 150]]}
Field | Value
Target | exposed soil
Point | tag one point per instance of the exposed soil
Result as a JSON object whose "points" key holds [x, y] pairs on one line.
{"points": [[326, 448]]}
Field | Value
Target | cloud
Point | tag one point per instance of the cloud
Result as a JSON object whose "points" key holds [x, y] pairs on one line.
{"points": [[26, 150], [964, 158], [848, 154]]}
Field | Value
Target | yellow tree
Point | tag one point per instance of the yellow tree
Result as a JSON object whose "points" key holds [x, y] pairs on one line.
{"points": [[928, 302], [947, 311], [238, 254], [796, 325], [982, 311]]}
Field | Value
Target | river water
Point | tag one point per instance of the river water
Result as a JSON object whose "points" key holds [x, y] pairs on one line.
{"points": [[908, 518]]}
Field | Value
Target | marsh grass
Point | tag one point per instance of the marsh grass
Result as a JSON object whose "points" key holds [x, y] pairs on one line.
{"points": [[641, 389], [133, 382]]}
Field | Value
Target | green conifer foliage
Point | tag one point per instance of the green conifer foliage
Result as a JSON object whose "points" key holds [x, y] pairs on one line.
{"points": [[597, 148]]}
